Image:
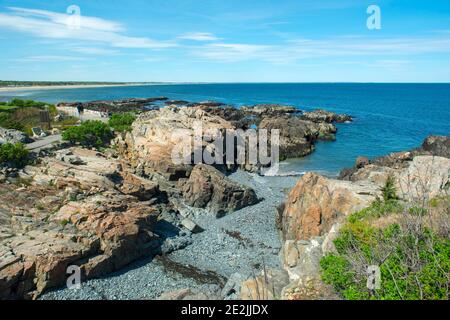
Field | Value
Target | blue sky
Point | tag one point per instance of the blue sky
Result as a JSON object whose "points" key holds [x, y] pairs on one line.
{"points": [[225, 41]]}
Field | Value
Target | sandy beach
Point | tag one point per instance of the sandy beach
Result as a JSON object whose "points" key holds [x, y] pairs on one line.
{"points": [[61, 87]]}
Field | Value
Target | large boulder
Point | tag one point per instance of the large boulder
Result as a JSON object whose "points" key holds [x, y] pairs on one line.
{"points": [[316, 203], [208, 188], [297, 136], [150, 145]]}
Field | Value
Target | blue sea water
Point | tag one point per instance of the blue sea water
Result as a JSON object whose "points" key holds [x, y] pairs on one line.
{"points": [[388, 117]]}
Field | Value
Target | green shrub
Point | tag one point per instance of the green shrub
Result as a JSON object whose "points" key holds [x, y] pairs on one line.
{"points": [[376, 210], [414, 261], [122, 121], [14, 154], [90, 133], [389, 191]]}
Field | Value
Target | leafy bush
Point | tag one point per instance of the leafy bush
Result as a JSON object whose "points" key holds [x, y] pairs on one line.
{"points": [[413, 259], [90, 133], [14, 154], [122, 121]]}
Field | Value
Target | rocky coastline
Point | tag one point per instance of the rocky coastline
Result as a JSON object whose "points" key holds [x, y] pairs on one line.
{"points": [[141, 227]]}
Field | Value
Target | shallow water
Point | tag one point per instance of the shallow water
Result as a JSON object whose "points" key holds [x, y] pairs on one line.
{"points": [[388, 117]]}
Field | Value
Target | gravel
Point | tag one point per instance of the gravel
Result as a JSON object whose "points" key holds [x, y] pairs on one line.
{"points": [[242, 242]]}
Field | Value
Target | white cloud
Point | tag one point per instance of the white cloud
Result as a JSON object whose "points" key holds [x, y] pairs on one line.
{"points": [[93, 51], [338, 47], [47, 24], [233, 52], [50, 58], [62, 19], [199, 36]]}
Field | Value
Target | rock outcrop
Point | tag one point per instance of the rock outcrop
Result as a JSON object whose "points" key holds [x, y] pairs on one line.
{"points": [[13, 136], [316, 207], [326, 116], [208, 188], [86, 213], [124, 105], [155, 134], [269, 110], [316, 203], [432, 146], [297, 136]]}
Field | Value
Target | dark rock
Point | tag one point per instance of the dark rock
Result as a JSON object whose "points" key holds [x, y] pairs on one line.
{"points": [[437, 146], [326, 116], [208, 188], [297, 136], [269, 110], [361, 162], [432, 145], [124, 105]]}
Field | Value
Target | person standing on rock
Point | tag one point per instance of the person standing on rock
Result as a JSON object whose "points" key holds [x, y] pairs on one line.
{"points": [[80, 110]]}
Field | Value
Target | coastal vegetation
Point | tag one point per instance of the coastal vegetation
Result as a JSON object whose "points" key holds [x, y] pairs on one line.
{"points": [[23, 115], [13, 154], [121, 122], [92, 133], [407, 243]]}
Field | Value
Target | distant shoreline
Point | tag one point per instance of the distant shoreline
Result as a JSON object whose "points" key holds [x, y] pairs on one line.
{"points": [[75, 86]]}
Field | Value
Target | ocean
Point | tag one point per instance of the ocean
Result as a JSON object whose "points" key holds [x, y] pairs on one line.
{"points": [[388, 117]]}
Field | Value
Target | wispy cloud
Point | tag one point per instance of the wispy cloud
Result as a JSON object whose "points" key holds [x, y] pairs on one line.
{"points": [[229, 52], [48, 24], [199, 36], [50, 58], [293, 50], [93, 51]]}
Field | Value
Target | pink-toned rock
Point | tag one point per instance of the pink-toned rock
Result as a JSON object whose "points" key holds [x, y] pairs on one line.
{"points": [[316, 203]]}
